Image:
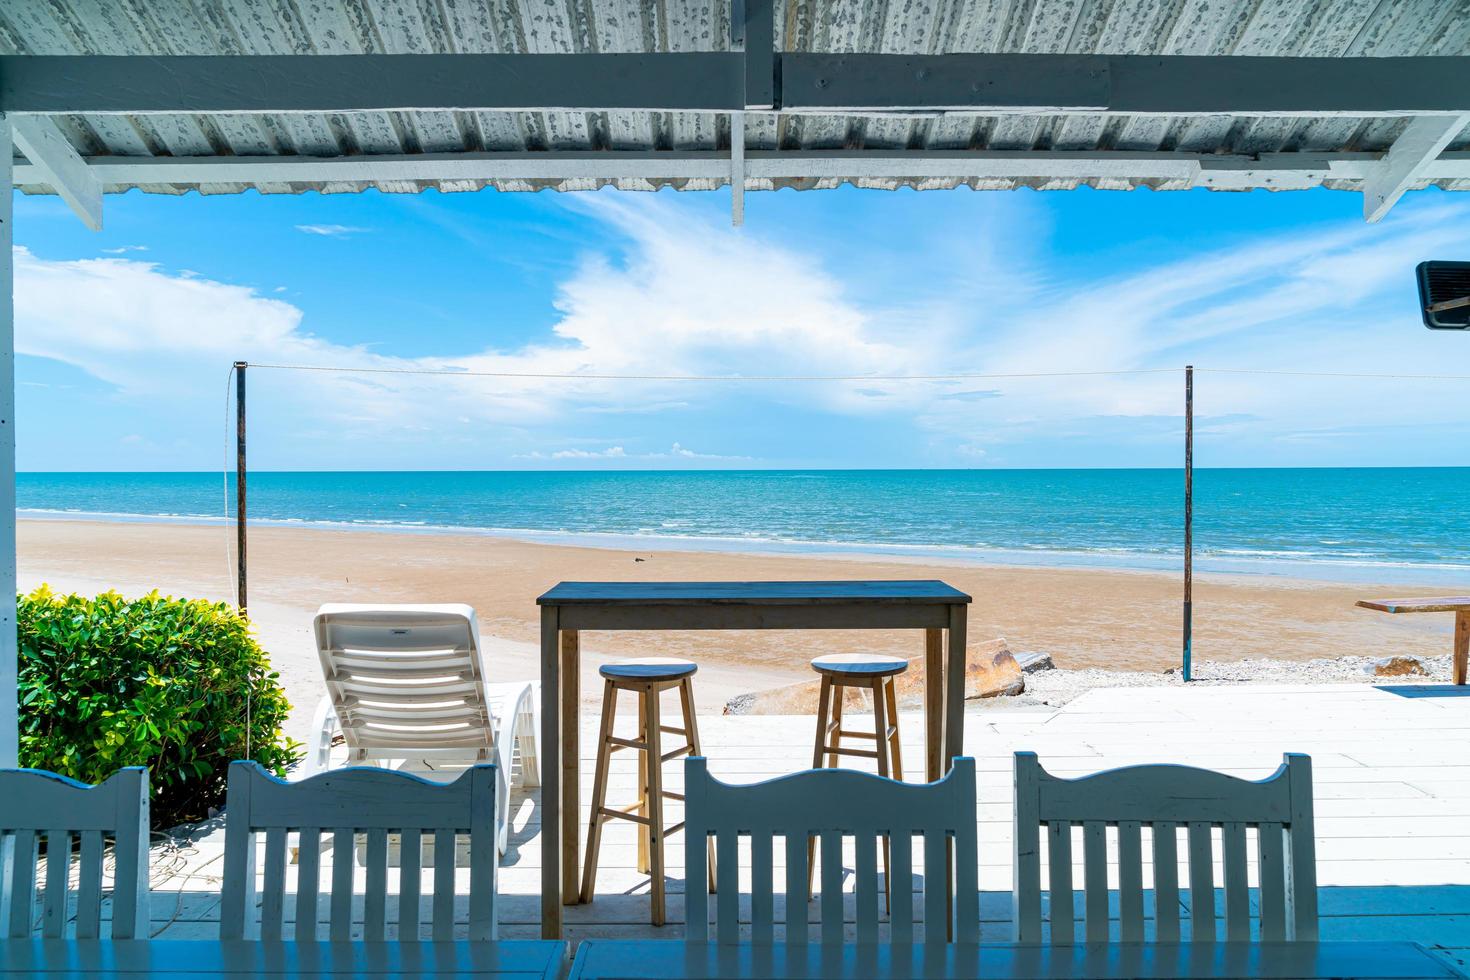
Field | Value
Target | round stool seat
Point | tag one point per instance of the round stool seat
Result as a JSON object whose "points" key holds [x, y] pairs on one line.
{"points": [[859, 665], [648, 669]]}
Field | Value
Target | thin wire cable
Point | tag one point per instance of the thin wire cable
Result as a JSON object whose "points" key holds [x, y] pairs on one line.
{"points": [[552, 376], [1336, 374]]}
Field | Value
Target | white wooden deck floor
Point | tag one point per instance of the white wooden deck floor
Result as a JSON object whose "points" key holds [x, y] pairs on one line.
{"points": [[1391, 768]]}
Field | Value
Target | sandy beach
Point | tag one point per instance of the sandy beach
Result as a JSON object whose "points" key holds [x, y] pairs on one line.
{"points": [[1082, 617]]}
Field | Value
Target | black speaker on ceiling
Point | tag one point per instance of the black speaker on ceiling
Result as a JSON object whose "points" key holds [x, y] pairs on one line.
{"points": [[1444, 294]]}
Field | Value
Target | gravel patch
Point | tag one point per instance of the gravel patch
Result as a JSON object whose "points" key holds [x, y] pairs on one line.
{"points": [[1058, 686]]}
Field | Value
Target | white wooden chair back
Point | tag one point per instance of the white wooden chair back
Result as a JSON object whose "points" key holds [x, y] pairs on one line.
{"points": [[344, 804], [74, 817], [1165, 800], [406, 681], [831, 805]]}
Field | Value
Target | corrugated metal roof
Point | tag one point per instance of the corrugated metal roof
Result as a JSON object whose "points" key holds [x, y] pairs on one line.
{"points": [[1315, 28]]}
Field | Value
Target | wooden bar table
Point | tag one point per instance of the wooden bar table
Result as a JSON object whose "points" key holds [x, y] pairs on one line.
{"points": [[572, 607], [1459, 605]]}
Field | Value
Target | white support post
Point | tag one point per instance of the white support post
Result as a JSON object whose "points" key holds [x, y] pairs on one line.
{"points": [[1407, 161], [737, 168], [51, 153], [9, 662]]}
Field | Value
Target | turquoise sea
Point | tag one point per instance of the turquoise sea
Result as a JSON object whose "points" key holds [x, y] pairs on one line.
{"points": [[1380, 524]]}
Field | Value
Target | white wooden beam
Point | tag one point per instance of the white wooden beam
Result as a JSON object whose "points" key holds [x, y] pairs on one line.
{"points": [[48, 149], [1270, 170], [1408, 160], [9, 650], [737, 168]]}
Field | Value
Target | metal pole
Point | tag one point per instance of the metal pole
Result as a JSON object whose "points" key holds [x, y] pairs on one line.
{"points": [[240, 367], [1188, 519]]}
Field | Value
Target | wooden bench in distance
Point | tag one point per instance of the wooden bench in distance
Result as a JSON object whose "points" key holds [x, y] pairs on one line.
{"points": [[1459, 605]]}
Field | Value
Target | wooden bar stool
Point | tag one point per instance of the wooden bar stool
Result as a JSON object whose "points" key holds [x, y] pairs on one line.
{"points": [[874, 673], [647, 678]]}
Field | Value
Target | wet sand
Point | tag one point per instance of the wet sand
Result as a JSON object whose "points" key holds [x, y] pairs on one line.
{"points": [[1082, 617]]}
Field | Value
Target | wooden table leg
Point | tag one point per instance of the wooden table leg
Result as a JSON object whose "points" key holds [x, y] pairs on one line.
{"points": [[571, 765], [1462, 645], [954, 735], [954, 687], [551, 707], [933, 704]]}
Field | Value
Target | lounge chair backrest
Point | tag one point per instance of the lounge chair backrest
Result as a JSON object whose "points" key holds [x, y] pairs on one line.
{"points": [[406, 679], [68, 815], [831, 805], [1167, 799], [343, 804]]}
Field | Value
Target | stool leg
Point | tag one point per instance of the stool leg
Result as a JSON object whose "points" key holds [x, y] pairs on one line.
{"points": [[642, 856], [880, 727], [824, 701], [655, 827], [691, 736], [599, 789], [839, 694], [893, 720]]}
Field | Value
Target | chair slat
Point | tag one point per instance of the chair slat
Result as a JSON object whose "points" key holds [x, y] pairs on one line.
{"points": [[1059, 874], [1166, 882], [1201, 883], [308, 882], [1237, 885], [1026, 851], [901, 888], [865, 886], [484, 859], [1095, 879], [58, 880], [410, 883], [23, 884], [831, 900], [696, 898], [727, 879], [273, 889], [343, 845], [443, 914], [375, 895], [1130, 881], [936, 892], [798, 932], [762, 899], [1271, 869], [89, 886]]}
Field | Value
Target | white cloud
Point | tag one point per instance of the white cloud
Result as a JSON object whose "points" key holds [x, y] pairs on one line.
{"points": [[667, 291], [332, 231], [124, 249]]}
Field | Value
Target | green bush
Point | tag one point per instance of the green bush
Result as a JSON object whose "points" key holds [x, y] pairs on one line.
{"points": [[177, 685]]}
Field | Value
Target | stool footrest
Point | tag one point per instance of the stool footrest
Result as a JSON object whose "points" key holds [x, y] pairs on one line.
{"points": [[614, 814], [844, 733], [682, 750], [859, 753], [627, 743]]}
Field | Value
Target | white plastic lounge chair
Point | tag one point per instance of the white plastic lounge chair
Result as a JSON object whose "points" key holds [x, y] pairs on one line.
{"points": [[406, 689]]}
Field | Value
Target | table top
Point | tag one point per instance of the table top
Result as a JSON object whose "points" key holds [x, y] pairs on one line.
{"points": [[898, 592], [166, 957], [631, 960], [1449, 603]]}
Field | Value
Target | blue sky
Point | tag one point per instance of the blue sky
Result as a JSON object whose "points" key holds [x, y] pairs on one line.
{"points": [[125, 337]]}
